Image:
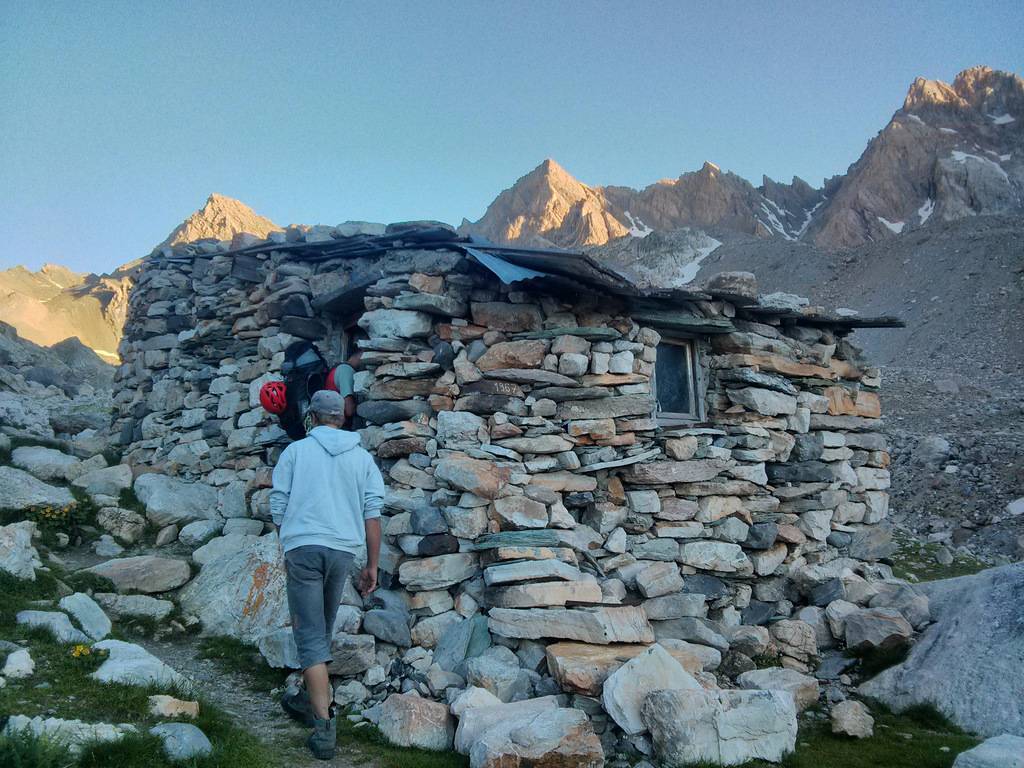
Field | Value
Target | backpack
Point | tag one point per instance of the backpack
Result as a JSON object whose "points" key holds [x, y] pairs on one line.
{"points": [[304, 371]]}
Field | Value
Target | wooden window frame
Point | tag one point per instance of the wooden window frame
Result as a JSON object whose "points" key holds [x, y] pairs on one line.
{"points": [[696, 379]]}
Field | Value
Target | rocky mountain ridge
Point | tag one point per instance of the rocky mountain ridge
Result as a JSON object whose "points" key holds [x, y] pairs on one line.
{"points": [[54, 303], [951, 151]]}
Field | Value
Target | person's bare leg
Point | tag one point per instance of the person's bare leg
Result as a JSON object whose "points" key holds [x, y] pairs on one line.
{"points": [[318, 686]]}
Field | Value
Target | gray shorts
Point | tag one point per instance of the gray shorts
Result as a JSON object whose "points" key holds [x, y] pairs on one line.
{"points": [[316, 579]]}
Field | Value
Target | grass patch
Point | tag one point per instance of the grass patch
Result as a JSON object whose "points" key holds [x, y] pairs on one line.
{"points": [[62, 687], [914, 560], [23, 750], [366, 744], [241, 658]]}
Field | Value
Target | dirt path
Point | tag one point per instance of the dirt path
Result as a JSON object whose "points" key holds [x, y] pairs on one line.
{"points": [[257, 711]]}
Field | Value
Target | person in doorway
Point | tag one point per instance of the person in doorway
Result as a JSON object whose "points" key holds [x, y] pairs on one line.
{"points": [[326, 502]]}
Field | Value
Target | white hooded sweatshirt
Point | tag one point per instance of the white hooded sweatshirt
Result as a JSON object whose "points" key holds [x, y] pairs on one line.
{"points": [[325, 486]]}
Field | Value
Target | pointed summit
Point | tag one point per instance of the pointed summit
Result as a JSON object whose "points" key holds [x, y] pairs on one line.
{"points": [[221, 218]]}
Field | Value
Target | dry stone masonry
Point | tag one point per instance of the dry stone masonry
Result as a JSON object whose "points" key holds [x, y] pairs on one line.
{"points": [[544, 525]]}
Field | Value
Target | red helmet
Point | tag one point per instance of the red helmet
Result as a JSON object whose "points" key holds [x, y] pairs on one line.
{"points": [[274, 396]]}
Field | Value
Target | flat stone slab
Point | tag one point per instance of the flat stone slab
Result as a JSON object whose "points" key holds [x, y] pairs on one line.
{"points": [[20, 491], [144, 573], [88, 614], [598, 625], [58, 624], [133, 665], [583, 667]]}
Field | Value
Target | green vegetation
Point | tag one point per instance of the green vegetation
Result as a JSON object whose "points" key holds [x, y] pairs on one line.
{"points": [[914, 560], [62, 687], [234, 655]]}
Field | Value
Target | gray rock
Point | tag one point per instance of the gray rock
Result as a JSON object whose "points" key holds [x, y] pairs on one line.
{"points": [[109, 481], [407, 720], [693, 630], [561, 737], [17, 555], [88, 614], [73, 734], [970, 662], [1005, 751], [803, 687], [241, 594], [47, 464], [171, 501], [497, 670], [56, 623], [720, 727], [218, 548], [626, 688], [910, 601], [851, 718], [199, 532], [18, 665], [134, 606], [279, 649], [476, 721], [132, 664], [869, 628], [144, 573], [20, 491], [182, 741]]}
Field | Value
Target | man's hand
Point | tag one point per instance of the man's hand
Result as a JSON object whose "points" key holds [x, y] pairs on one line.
{"points": [[367, 581]]}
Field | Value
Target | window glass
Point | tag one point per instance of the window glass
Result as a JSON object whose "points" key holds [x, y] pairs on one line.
{"points": [[673, 378]]}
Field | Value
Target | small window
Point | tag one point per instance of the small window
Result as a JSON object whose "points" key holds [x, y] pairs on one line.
{"points": [[676, 382]]}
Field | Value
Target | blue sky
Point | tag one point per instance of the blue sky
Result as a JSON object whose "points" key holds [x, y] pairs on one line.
{"points": [[118, 119]]}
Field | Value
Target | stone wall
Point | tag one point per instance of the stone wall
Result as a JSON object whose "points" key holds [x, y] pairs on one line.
{"points": [[528, 480]]}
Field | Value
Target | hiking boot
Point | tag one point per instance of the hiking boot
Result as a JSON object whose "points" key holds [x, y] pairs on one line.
{"points": [[324, 738], [298, 707]]}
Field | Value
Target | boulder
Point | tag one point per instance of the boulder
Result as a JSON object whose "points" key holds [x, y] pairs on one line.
{"points": [[497, 670], [478, 720], [352, 654], [197, 533], [970, 662], [278, 648], [19, 664], [626, 688], [583, 668], [869, 628], [562, 738], [220, 547], [473, 697], [720, 727], [1005, 751], [134, 606], [182, 741], [851, 718], [20, 491], [144, 573], [803, 687], [132, 664], [109, 481], [46, 463], [407, 720], [123, 524], [88, 614], [56, 623], [170, 501], [241, 594], [17, 555], [719, 556]]}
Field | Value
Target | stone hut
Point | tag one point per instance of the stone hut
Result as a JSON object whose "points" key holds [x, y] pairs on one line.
{"points": [[572, 462]]}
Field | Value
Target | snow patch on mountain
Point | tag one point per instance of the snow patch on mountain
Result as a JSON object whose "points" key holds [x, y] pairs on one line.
{"points": [[926, 210], [895, 227], [1003, 119], [963, 157], [636, 226]]}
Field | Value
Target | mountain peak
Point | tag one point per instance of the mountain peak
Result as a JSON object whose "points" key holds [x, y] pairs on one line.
{"points": [[220, 218]]}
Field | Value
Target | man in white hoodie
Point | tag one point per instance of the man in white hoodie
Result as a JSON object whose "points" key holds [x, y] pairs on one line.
{"points": [[326, 502]]}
